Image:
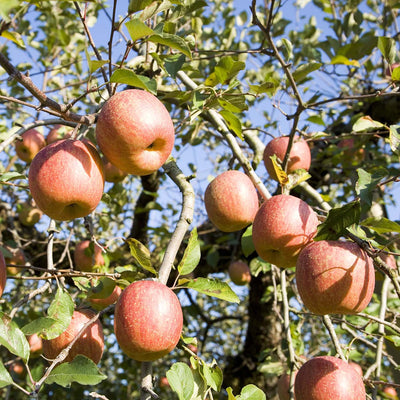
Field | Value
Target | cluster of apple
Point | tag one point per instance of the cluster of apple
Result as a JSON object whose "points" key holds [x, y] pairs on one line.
{"points": [[332, 276], [66, 177]]}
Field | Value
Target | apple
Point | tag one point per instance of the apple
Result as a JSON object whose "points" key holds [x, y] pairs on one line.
{"points": [[390, 262], [352, 154], [3, 273], [193, 348], [66, 179], [389, 70], [327, 377], [35, 345], [284, 386], [231, 201], [18, 368], [88, 256], [335, 277], [112, 173], [390, 392], [100, 304], [89, 344], [357, 367], [135, 132], [164, 382], [29, 215], [299, 157], [239, 272], [57, 133], [32, 141], [148, 320], [16, 257], [283, 225]]}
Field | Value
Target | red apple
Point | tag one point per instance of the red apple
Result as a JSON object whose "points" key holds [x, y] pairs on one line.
{"points": [[57, 133], [299, 157], [3, 273], [148, 320], [284, 386], [390, 392], [89, 344], [239, 272], [66, 179], [100, 304], [32, 141], [17, 257], [231, 201], [164, 382], [35, 345], [29, 215], [88, 256], [283, 225], [135, 132], [352, 154], [327, 377], [112, 173], [357, 367], [18, 368], [335, 277]]}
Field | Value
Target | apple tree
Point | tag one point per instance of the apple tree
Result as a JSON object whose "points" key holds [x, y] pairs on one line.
{"points": [[231, 167]]}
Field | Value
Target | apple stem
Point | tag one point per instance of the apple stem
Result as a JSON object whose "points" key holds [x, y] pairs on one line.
{"points": [[331, 329]]}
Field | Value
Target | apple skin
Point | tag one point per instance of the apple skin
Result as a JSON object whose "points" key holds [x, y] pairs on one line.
{"points": [[29, 215], [239, 272], [57, 133], [32, 142], [135, 132], [83, 260], [89, 344], [112, 173], [66, 179], [357, 367], [148, 320], [18, 368], [100, 304], [326, 378], [35, 345], [17, 258], [231, 201], [390, 392], [299, 157], [284, 386], [335, 277], [164, 382], [283, 225]]}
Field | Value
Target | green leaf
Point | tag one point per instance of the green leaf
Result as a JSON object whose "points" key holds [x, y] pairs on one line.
{"points": [[366, 123], [338, 220], [61, 310], [387, 46], [9, 176], [12, 338], [227, 105], [191, 256], [394, 339], [340, 59], [173, 64], [6, 6], [233, 122], [5, 377], [141, 254], [251, 392], [81, 370], [227, 68], [381, 225], [138, 29], [128, 77], [215, 288], [138, 5], [231, 396], [102, 288], [396, 74], [39, 325], [288, 47], [303, 70], [94, 65], [14, 37], [394, 137], [172, 41], [247, 241], [213, 376], [268, 87], [181, 380], [366, 185]]}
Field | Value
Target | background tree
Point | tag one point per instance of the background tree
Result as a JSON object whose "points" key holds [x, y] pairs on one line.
{"points": [[232, 75]]}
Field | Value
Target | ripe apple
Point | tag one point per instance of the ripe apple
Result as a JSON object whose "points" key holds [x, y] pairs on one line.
{"points": [[57, 133], [35, 345], [29, 215], [112, 173], [135, 132], [327, 377], [231, 201], [16, 257], [299, 157], [88, 256], [352, 154], [164, 382], [18, 368], [66, 179], [239, 272], [89, 344], [284, 386], [357, 367], [32, 141], [335, 277], [148, 320], [390, 392], [283, 225], [3, 273], [100, 304], [390, 262]]}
